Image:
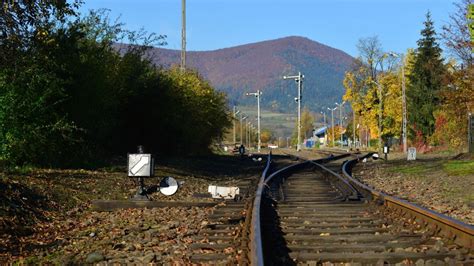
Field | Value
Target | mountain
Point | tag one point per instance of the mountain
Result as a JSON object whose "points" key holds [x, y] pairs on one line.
{"points": [[262, 65]]}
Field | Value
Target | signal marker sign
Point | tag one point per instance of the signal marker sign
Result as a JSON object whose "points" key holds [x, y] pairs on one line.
{"points": [[140, 165]]}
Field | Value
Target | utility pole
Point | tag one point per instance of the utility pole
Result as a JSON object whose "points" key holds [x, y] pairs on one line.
{"points": [[247, 133], [235, 114], [354, 127], [299, 79], [404, 101], [404, 107], [257, 95], [332, 123], [379, 89], [183, 35], [242, 118], [340, 117]]}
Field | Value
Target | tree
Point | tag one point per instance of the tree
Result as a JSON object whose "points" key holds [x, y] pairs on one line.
{"points": [[307, 120], [426, 82], [69, 98], [456, 34], [458, 96], [266, 136]]}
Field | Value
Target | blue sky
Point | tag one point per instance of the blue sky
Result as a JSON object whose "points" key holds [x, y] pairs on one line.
{"points": [[215, 24]]}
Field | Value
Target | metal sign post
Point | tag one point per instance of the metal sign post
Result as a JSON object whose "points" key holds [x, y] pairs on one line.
{"points": [[386, 151], [140, 165]]}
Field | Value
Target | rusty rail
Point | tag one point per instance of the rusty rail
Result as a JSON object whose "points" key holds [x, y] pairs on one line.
{"points": [[461, 233]]}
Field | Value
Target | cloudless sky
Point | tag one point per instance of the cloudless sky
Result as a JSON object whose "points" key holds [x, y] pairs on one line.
{"points": [[215, 24]]}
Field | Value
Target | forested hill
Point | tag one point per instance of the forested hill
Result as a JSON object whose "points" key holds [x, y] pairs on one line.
{"points": [[261, 66]]}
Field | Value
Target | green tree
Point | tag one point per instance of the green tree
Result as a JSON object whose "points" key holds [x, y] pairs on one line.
{"points": [[426, 81], [70, 97], [307, 120]]}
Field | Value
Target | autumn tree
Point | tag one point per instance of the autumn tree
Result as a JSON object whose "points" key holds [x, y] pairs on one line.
{"points": [[266, 136], [456, 35], [457, 98]]}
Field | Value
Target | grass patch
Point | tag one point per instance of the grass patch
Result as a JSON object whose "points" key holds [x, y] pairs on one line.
{"points": [[415, 169], [459, 167]]}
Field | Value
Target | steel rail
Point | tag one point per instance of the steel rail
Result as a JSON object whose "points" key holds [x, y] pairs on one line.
{"points": [[349, 191], [256, 247], [461, 233]]}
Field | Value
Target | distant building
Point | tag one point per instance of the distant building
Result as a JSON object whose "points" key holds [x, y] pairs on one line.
{"points": [[319, 136]]}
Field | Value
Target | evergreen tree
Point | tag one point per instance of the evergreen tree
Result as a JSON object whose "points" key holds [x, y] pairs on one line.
{"points": [[425, 82]]}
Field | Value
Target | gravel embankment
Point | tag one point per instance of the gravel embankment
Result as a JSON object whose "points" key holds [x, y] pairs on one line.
{"points": [[438, 184]]}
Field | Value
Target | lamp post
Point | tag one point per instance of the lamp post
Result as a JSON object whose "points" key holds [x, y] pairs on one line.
{"points": [[247, 134], [235, 114], [379, 89], [324, 117], [340, 117], [251, 133], [242, 118], [404, 102], [257, 94], [299, 79], [332, 122], [324, 125]]}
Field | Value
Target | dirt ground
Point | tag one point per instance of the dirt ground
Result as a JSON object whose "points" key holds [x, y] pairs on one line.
{"points": [[441, 182], [46, 216]]}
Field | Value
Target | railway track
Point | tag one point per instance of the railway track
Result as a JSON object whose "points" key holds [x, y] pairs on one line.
{"points": [[226, 238], [310, 213]]}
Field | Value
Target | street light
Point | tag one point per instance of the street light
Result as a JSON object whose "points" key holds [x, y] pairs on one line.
{"points": [[233, 121], [299, 79], [257, 94], [324, 118], [404, 101], [379, 90], [340, 117], [242, 118], [247, 134], [332, 123]]}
